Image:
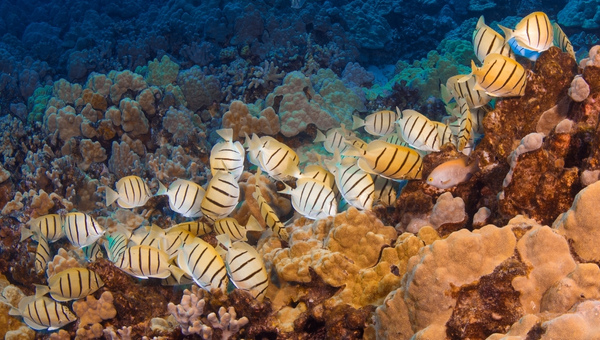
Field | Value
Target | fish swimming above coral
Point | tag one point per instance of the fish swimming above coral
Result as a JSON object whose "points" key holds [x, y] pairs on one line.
{"points": [[486, 40], [132, 192], [500, 76], [50, 226], [334, 138], [43, 313], [221, 196], [185, 197], [418, 131], [532, 35], [227, 155], [378, 123], [147, 262], [81, 229], [245, 267], [71, 284], [203, 264]]}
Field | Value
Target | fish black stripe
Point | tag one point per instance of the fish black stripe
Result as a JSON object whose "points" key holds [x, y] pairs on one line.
{"points": [[367, 186], [80, 280], [391, 160], [413, 126], [482, 31], [199, 257], [243, 264], [176, 193], [509, 78], [358, 181], [127, 191], [491, 44], [223, 192], [308, 195], [316, 200], [262, 291], [469, 92], [378, 157], [234, 185], [273, 155], [193, 202], [498, 74], [401, 165], [47, 226], [350, 177], [519, 81], [539, 33], [59, 319], [215, 275], [208, 266], [281, 160], [251, 275], [488, 71], [157, 264], [187, 187], [138, 181], [259, 284], [69, 284], [326, 199], [415, 163], [37, 313], [219, 205]]}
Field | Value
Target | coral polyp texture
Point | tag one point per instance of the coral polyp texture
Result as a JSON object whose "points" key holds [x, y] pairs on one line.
{"points": [[217, 170]]}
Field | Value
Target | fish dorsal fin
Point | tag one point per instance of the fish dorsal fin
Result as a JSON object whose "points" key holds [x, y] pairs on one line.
{"points": [[508, 33], [253, 224], [480, 23], [226, 134], [162, 189], [111, 195], [224, 239]]}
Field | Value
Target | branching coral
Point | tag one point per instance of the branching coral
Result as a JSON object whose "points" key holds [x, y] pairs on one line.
{"points": [[227, 322]]}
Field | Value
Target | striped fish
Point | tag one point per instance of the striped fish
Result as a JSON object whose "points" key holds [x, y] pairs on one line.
{"points": [[388, 160], [222, 195], [385, 191], [521, 51], [464, 87], [132, 192], [562, 41], [533, 32], [116, 245], [227, 155], [267, 213], [379, 123], [334, 138], [355, 185], [279, 161], [486, 41], [418, 131], [313, 199], [232, 228], [147, 262], [42, 254], [173, 241], [148, 236], [392, 138], [477, 115], [466, 127], [185, 197], [254, 146], [92, 252], [202, 263], [71, 284], [50, 226], [196, 228], [81, 229], [317, 173], [500, 76], [245, 267], [43, 313]]}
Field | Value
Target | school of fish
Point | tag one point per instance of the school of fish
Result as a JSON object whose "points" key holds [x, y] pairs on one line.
{"points": [[361, 173]]}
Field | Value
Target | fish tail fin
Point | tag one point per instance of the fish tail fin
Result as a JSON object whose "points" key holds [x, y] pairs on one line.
{"points": [[320, 137], [357, 122], [508, 33], [224, 239], [111, 196], [252, 143], [253, 224], [474, 69], [13, 311], [41, 290], [25, 233], [176, 272], [226, 134], [162, 189], [246, 140], [446, 95], [352, 151]]}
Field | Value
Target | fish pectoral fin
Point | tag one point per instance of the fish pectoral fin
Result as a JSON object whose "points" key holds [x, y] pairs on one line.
{"points": [[445, 182]]}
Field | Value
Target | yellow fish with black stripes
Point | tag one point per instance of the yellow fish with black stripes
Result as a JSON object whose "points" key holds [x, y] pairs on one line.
{"points": [[234, 229], [355, 184], [378, 123], [50, 226], [500, 76], [245, 267], [334, 138], [562, 41], [418, 131], [185, 197], [389, 160], [42, 313], [173, 240], [486, 40], [267, 213], [227, 155], [221, 197], [132, 192], [464, 86], [71, 284], [465, 126], [42, 254], [81, 229], [196, 228], [312, 198], [147, 262], [534, 32], [203, 264]]}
